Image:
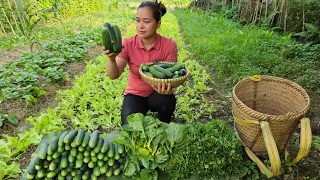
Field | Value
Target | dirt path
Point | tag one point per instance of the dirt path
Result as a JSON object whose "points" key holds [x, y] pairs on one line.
{"points": [[8, 56]]}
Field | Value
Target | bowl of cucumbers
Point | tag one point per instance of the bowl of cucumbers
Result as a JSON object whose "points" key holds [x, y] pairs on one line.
{"points": [[156, 72]]}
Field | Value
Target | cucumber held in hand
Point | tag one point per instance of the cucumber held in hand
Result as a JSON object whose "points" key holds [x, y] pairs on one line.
{"points": [[111, 37]]}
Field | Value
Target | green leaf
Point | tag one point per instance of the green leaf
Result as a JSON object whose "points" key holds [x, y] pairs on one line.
{"points": [[136, 123], [161, 158], [13, 119], [175, 133], [130, 169]]}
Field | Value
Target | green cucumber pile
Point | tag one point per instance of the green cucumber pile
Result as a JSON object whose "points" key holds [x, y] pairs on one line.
{"points": [[162, 70], [111, 37], [77, 155]]}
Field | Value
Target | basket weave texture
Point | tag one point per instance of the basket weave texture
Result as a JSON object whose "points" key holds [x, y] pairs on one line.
{"points": [[154, 81], [278, 101]]}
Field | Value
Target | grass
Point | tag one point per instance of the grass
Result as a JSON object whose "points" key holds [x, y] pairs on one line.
{"points": [[55, 30], [234, 52]]}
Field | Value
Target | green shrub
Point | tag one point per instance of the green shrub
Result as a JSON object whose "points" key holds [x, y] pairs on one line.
{"points": [[212, 151]]}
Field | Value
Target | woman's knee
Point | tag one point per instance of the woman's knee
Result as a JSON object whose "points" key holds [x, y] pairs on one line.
{"points": [[162, 102]]}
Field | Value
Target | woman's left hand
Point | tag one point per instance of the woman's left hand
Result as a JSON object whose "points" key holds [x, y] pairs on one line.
{"points": [[162, 89]]}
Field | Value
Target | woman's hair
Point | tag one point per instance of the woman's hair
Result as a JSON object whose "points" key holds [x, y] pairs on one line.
{"points": [[157, 8]]}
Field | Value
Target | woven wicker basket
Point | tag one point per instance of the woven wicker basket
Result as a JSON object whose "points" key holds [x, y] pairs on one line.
{"points": [[154, 81], [276, 101]]}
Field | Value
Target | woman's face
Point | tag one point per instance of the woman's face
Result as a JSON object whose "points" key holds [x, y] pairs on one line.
{"points": [[146, 25]]}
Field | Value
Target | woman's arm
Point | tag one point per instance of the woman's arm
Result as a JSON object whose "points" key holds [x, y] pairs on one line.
{"points": [[115, 65]]}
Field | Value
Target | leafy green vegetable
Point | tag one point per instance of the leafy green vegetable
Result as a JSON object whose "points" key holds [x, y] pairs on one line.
{"points": [[212, 150], [149, 142]]}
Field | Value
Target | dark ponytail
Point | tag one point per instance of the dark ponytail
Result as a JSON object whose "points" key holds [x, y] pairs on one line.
{"points": [[158, 9]]}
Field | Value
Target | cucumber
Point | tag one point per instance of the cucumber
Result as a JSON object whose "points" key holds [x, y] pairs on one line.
{"points": [[79, 163], [118, 39], [74, 152], [92, 154], [64, 162], [53, 166], [94, 138], [110, 153], [67, 147], [112, 36], [176, 67], [103, 169], [99, 145], [86, 153], [182, 72], [49, 157], [64, 172], [51, 174], [94, 158], [42, 154], [164, 71], [165, 65], [105, 158], [148, 74], [41, 173], [70, 136], [145, 68], [81, 149], [157, 74], [106, 39], [96, 171], [116, 153], [85, 140], [71, 158], [31, 167], [91, 164], [106, 145], [56, 155], [116, 172], [86, 159], [60, 177], [61, 143], [100, 156], [120, 148], [175, 76], [100, 162], [110, 162], [61, 149], [109, 172], [28, 176], [80, 156], [53, 145]]}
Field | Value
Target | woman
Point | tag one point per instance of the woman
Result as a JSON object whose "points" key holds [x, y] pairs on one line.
{"points": [[146, 46]]}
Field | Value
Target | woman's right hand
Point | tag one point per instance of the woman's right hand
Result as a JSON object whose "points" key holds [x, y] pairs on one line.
{"points": [[111, 55]]}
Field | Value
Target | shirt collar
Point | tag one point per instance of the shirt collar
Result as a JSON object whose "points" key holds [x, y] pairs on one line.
{"points": [[155, 46]]}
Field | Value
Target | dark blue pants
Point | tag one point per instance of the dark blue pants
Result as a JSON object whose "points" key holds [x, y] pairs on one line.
{"points": [[163, 104]]}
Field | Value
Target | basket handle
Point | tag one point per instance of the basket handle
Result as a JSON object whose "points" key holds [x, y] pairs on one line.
{"points": [[305, 142], [271, 148]]}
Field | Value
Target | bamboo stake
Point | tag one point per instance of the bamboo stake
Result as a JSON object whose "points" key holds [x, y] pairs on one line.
{"points": [[274, 9], [303, 16], [2, 27], [13, 16], [4, 13], [280, 22], [286, 15], [19, 16], [261, 7], [266, 11], [256, 10]]}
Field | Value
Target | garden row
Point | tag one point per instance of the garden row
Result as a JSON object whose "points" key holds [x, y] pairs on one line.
{"points": [[97, 104]]}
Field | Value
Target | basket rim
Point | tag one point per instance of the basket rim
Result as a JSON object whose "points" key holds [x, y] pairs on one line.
{"points": [[182, 78], [258, 114]]}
